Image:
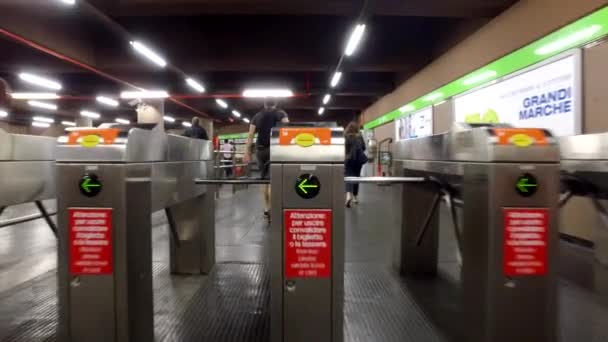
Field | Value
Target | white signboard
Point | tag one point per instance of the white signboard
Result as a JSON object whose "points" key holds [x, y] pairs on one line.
{"points": [[416, 125], [547, 96]]}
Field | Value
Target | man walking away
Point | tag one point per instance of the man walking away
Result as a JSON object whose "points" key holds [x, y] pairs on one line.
{"points": [[228, 157], [196, 131], [262, 124]]}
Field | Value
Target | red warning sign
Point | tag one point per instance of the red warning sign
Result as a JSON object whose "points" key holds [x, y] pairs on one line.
{"points": [[90, 241], [526, 241], [307, 243]]}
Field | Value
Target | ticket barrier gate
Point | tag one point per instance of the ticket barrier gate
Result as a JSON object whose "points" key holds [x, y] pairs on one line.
{"points": [[505, 182], [109, 182], [27, 173], [307, 230], [584, 165]]}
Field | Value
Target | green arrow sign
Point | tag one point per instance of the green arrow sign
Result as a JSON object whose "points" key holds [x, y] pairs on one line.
{"points": [[526, 185], [87, 185], [303, 186], [308, 186], [90, 185]]}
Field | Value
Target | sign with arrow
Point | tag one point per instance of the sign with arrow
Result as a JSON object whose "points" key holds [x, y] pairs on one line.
{"points": [[526, 185], [90, 185], [307, 186]]}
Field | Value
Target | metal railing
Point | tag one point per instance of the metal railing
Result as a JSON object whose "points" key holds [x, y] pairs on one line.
{"points": [[358, 180]]}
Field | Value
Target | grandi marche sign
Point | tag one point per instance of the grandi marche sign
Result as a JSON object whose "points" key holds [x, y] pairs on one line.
{"points": [[576, 34]]}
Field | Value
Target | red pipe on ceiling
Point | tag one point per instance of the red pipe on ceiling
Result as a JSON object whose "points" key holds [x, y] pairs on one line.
{"points": [[63, 57]]}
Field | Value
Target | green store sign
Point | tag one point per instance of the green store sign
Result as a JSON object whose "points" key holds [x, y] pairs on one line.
{"points": [[579, 33]]}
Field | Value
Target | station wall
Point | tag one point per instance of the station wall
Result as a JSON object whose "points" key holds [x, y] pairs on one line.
{"points": [[498, 38]]}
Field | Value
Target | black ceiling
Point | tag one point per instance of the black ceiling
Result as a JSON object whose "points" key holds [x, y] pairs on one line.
{"points": [[228, 45]]}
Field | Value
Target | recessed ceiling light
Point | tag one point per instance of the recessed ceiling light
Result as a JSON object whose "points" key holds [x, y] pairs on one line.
{"points": [[122, 121], [258, 93], [149, 53], [195, 85], [152, 94], [107, 101], [41, 124], [221, 103], [43, 105], [354, 40], [40, 81], [34, 96], [326, 98], [335, 80], [43, 119], [90, 114]]}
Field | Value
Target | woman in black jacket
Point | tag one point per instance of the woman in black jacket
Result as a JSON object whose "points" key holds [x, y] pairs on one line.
{"points": [[355, 159]]}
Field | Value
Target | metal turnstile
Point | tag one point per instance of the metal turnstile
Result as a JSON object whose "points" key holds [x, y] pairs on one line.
{"points": [[27, 172], [109, 182], [307, 234], [501, 187], [584, 167]]}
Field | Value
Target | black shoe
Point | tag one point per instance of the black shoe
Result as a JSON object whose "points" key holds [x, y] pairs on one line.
{"points": [[267, 214], [348, 203]]}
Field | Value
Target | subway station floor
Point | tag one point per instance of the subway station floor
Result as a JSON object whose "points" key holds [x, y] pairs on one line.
{"points": [[232, 303]]}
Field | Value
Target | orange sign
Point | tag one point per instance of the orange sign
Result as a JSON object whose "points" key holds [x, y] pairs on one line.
{"points": [[108, 135], [287, 135], [521, 137]]}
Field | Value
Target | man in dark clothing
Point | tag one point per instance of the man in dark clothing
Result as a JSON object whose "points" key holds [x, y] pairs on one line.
{"points": [[196, 131], [262, 124]]}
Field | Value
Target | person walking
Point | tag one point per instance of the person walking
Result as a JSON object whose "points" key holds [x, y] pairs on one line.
{"points": [[227, 150], [355, 159], [196, 131], [262, 124]]}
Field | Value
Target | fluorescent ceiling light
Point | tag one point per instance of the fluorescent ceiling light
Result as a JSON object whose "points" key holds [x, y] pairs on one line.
{"points": [[326, 98], [569, 40], [43, 119], [195, 85], [107, 101], [482, 76], [40, 81], [41, 124], [68, 123], [89, 114], [336, 79], [221, 103], [432, 97], [169, 118], [186, 124], [407, 108], [43, 105], [321, 110], [34, 96], [354, 40], [246, 120], [122, 121], [3, 113], [69, 2], [236, 113], [149, 54], [152, 94], [268, 93]]}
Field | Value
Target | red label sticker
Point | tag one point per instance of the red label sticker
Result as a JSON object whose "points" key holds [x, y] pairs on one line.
{"points": [[90, 241], [307, 243], [526, 239]]}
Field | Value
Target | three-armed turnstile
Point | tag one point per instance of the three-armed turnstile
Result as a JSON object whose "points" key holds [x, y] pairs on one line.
{"points": [[109, 182]]}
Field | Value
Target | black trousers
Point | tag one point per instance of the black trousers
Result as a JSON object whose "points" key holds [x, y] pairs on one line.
{"points": [[352, 169]]}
